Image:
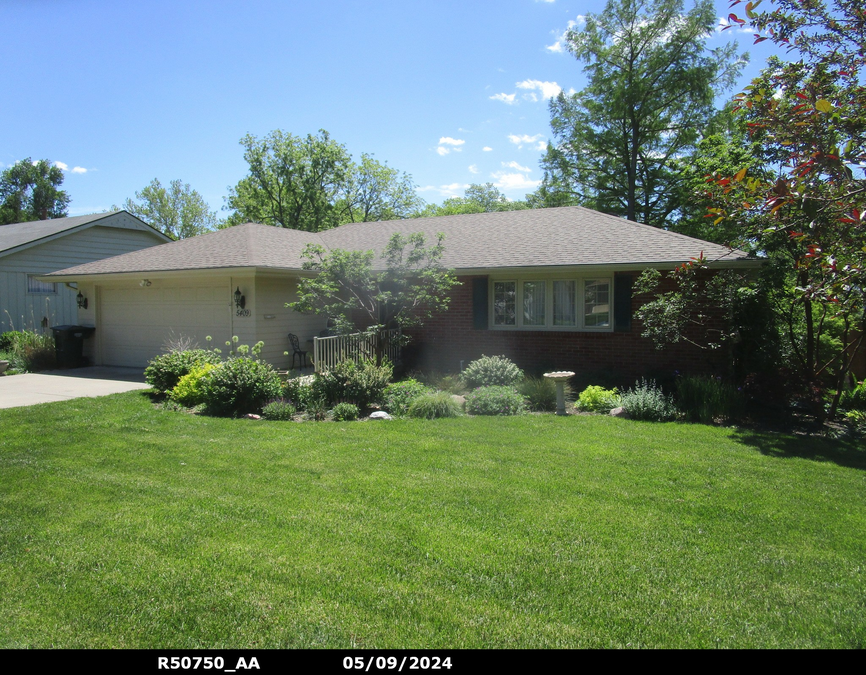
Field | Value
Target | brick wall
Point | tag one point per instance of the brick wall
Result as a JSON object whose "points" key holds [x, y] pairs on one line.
{"points": [[618, 357]]}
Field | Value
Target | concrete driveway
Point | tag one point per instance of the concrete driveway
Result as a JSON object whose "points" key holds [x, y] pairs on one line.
{"points": [[61, 385]]}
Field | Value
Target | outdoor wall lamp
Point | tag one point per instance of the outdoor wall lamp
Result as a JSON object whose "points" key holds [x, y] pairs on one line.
{"points": [[82, 301], [240, 300]]}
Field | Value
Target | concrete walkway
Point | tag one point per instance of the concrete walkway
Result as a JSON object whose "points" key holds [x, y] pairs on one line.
{"points": [[61, 385]]}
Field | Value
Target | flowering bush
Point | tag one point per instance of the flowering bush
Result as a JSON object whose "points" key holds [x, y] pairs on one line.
{"points": [[647, 401], [345, 412], [279, 410], [489, 371], [495, 401]]}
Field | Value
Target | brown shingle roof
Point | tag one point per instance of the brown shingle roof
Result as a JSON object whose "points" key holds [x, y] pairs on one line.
{"points": [[564, 236]]}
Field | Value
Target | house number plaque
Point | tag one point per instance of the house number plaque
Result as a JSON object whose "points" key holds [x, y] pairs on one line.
{"points": [[242, 312]]}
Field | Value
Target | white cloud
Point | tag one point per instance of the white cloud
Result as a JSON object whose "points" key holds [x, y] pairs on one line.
{"points": [[516, 166], [486, 148], [524, 139], [505, 98], [548, 1], [63, 166], [453, 190], [473, 168], [542, 145], [547, 89], [558, 45], [514, 181], [426, 188], [448, 144]]}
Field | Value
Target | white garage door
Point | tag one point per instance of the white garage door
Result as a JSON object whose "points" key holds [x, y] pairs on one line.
{"points": [[135, 322]]}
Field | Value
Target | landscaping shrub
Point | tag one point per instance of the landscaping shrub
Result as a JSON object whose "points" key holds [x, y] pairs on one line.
{"points": [[345, 412], [189, 391], [433, 406], [299, 390], [540, 393], [491, 371], [646, 401], [495, 400], [449, 382], [279, 410], [8, 340], [164, 371], [854, 399], [597, 399], [28, 350], [359, 383], [317, 410], [398, 396], [704, 399], [240, 385]]}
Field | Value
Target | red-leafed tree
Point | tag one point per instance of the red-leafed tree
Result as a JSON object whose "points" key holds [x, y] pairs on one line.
{"points": [[808, 112]]}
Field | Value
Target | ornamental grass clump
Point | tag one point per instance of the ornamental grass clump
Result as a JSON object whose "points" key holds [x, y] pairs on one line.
{"points": [[495, 401], [398, 396], [706, 399], [433, 406], [540, 393], [597, 399], [646, 401], [491, 371]]}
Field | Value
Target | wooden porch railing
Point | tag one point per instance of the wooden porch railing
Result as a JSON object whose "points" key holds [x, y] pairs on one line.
{"points": [[329, 351]]}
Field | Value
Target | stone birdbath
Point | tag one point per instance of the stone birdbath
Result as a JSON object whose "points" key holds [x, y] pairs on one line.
{"points": [[560, 377]]}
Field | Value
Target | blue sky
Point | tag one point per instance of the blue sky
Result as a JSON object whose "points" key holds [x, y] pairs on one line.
{"points": [[453, 93]]}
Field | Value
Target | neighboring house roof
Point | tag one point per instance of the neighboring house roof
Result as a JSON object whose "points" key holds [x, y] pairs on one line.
{"points": [[566, 236], [16, 236]]}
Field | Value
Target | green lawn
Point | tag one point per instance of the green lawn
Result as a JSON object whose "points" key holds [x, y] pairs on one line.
{"points": [[122, 525]]}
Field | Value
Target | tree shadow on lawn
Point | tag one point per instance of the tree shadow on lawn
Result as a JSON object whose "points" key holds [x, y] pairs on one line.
{"points": [[848, 452]]}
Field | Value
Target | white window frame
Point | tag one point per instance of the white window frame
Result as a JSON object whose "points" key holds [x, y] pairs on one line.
{"points": [[549, 281], [40, 289]]}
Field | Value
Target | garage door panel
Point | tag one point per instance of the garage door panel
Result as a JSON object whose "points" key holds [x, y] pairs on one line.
{"points": [[135, 323]]}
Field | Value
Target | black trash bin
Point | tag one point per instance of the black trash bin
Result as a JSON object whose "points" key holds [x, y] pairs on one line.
{"points": [[69, 344]]}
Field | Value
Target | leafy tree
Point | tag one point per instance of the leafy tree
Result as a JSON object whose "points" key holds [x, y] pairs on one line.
{"points": [[476, 199], [357, 296], [294, 182], [312, 184], [652, 81], [31, 191], [375, 191], [809, 117], [178, 211]]}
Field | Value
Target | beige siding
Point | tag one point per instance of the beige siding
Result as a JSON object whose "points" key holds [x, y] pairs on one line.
{"points": [[134, 323], [272, 296], [27, 310]]}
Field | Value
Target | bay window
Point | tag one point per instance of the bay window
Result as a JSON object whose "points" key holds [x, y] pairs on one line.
{"points": [[552, 304]]}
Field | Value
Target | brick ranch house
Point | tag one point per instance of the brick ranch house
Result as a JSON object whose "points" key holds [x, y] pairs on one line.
{"points": [[549, 288]]}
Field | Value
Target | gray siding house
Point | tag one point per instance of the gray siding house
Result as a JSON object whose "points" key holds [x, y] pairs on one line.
{"points": [[29, 250]]}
